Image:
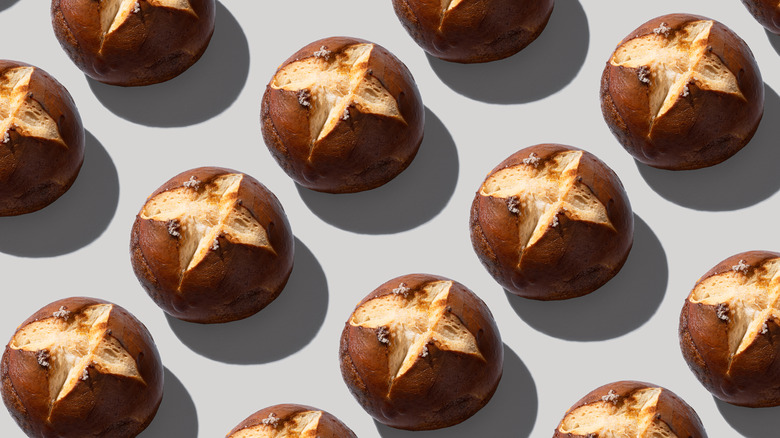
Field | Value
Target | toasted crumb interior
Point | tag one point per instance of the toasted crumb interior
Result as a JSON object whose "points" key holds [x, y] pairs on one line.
{"points": [[337, 81], [77, 342], [204, 212], [20, 111], [627, 417], [415, 320], [676, 60], [301, 425], [544, 191], [749, 300]]}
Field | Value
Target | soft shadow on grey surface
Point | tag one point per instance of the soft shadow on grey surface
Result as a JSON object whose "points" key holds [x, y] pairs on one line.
{"points": [[200, 93], [510, 413], [75, 219], [745, 179], [626, 302], [5, 4], [177, 416], [774, 40], [414, 197], [287, 325], [546, 66], [751, 422]]}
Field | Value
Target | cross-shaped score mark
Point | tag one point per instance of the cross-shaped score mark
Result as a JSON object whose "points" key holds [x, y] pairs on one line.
{"points": [[300, 425], [744, 299], [20, 112], [72, 344], [618, 417], [668, 61], [540, 191], [328, 84], [409, 321], [200, 213], [113, 13]]}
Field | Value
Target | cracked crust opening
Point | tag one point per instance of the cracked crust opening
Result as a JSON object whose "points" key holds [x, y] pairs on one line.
{"points": [[413, 321], [630, 409], [674, 59], [73, 345], [200, 216], [333, 84], [291, 421], [20, 112], [634, 416]]}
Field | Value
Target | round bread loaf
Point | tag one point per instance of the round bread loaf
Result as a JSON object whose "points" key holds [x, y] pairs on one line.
{"points": [[133, 42], [469, 31], [82, 367], [682, 92], [421, 352], [41, 139], [728, 327], [212, 245], [552, 222], [342, 115]]}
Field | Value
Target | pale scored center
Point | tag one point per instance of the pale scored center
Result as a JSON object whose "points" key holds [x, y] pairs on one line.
{"points": [[113, 13], [72, 344], [674, 60], [539, 192], [334, 82], [632, 416], [301, 425], [19, 111], [199, 213], [414, 320], [746, 300]]}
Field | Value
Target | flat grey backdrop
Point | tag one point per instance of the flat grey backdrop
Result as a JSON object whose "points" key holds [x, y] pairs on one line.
{"points": [[347, 245]]}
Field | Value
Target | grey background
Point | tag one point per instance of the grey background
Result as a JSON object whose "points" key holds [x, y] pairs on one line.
{"points": [[347, 245]]}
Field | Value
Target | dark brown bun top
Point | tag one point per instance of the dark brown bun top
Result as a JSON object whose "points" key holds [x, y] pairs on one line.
{"points": [[78, 364], [631, 409], [212, 245], [291, 420], [421, 352], [124, 43], [342, 115], [41, 138], [552, 222], [729, 327], [682, 92], [766, 12], [473, 30]]}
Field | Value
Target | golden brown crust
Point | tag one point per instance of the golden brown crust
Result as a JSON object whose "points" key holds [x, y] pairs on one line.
{"points": [[572, 259], [442, 387], [766, 12], [670, 409], [474, 30], [328, 427], [152, 45], [705, 126], [750, 377], [364, 150], [234, 280], [35, 171], [92, 408]]}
